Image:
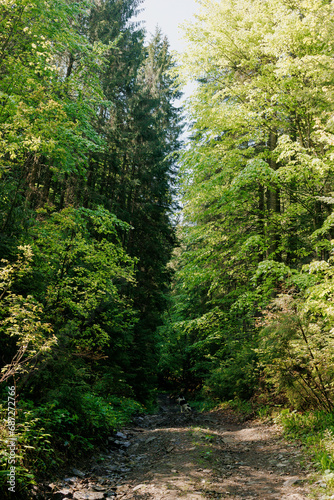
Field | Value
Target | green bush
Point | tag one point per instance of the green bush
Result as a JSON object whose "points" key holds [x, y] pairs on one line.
{"points": [[34, 450], [235, 377], [103, 415], [315, 429], [296, 349], [48, 434]]}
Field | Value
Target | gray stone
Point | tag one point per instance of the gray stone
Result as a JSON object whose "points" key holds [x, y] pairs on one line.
{"points": [[321, 484], [78, 473], [88, 495], [70, 480], [64, 492], [138, 487], [112, 468], [121, 435], [152, 438], [97, 487], [291, 481]]}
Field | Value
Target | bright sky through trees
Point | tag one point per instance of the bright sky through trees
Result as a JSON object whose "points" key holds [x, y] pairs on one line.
{"points": [[167, 15]]}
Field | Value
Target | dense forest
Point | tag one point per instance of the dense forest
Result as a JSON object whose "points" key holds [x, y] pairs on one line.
{"points": [[131, 262], [251, 309]]}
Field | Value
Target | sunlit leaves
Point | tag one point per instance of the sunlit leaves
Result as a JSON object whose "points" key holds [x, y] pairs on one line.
{"points": [[37, 85], [257, 175], [22, 318]]}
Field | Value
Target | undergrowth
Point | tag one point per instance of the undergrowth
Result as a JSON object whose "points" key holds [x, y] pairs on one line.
{"points": [[315, 430], [49, 435]]}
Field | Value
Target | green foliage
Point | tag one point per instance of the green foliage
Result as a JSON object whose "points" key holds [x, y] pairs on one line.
{"points": [[235, 377], [113, 413], [84, 268], [87, 131], [256, 185], [22, 319], [315, 431], [46, 99], [203, 405], [296, 347], [47, 434], [33, 449]]}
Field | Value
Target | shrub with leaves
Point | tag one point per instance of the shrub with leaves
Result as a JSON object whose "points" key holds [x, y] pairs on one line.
{"points": [[22, 319], [297, 348]]}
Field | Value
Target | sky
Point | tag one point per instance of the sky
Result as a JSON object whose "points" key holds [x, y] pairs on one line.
{"points": [[168, 14]]}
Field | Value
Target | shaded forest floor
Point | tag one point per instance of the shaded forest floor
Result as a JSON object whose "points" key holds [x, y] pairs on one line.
{"points": [[171, 455]]}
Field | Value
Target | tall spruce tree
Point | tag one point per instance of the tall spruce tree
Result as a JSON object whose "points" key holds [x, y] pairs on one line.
{"points": [[134, 177]]}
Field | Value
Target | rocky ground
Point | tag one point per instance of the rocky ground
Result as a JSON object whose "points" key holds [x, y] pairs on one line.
{"points": [[199, 456]]}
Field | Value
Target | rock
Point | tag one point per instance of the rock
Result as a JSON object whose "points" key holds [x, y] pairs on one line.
{"points": [[64, 492], [78, 473], [228, 440], [112, 468], [122, 489], [152, 438], [70, 480], [293, 496], [88, 495], [125, 444], [321, 484], [121, 435], [138, 487], [292, 481], [97, 487]]}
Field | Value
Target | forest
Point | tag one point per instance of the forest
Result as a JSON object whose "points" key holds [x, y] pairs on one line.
{"points": [[134, 261]]}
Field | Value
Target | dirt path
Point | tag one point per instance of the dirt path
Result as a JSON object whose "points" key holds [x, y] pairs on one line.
{"points": [[203, 456]]}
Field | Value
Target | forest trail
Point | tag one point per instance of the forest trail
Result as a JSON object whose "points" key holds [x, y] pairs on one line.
{"points": [[171, 455]]}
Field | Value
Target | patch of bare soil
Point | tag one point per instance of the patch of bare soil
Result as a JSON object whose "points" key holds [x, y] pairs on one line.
{"points": [[201, 456]]}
